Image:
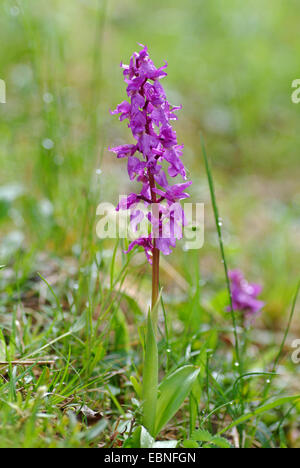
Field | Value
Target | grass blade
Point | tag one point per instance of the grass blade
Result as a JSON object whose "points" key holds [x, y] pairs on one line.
{"points": [[288, 327], [220, 238], [269, 406]]}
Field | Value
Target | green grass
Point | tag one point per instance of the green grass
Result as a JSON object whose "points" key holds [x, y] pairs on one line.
{"points": [[70, 298]]}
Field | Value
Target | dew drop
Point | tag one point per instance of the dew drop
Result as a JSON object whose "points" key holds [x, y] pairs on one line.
{"points": [[15, 11], [48, 144], [48, 98]]}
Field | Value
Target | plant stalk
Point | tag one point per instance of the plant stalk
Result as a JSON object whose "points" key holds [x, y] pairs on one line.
{"points": [[155, 261], [155, 276]]}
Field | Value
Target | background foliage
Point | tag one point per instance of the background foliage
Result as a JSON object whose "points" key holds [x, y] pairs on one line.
{"points": [[231, 65]]}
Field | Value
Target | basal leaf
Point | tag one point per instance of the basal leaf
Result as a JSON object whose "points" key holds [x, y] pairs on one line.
{"points": [[146, 440], [150, 379], [173, 391], [202, 436]]}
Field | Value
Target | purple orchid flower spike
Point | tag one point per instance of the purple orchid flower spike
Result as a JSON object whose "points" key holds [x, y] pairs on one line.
{"points": [[244, 295], [153, 159]]}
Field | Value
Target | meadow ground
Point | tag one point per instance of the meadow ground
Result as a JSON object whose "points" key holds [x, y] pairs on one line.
{"points": [[78, 302]]}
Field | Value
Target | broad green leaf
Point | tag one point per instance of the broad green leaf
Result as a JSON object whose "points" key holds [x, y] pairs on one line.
{"points": [[146, 440], [190, 444], [142, 439], [202, 436], [134, 441], [150, 379], [221, 442], [173, 391], [262, 409]]}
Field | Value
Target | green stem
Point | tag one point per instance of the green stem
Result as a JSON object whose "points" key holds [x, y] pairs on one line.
{"points": [[291, 316], [155, 281], [155, 263], [219, 231], [150, 371]]}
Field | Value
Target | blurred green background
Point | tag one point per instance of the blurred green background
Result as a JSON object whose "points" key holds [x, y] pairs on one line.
{"points": [[231, 66]]}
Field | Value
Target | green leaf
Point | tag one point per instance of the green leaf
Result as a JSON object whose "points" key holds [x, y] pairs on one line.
{"points": [[221, 442], [193, 408], [283, 442], [146, 440], [133, 305], [142, 439], [122, 339], [3, 349], [134, 441], [150, 379], [205, 436], [202, 436], [137, 386], [173, 391], [96, 430], [190, 444]]}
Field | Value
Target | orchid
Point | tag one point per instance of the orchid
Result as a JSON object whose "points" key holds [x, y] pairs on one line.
{"points": [[244, 294], [153, 159]]}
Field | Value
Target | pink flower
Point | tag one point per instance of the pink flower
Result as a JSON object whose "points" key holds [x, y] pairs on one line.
{"points": [[149, 117], [146, 243], [244, 294]]}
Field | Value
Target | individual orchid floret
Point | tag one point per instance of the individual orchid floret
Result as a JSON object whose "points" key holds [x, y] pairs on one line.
{"points": [[146, 243], [174, 193], [123, 109], [124, 151]]}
